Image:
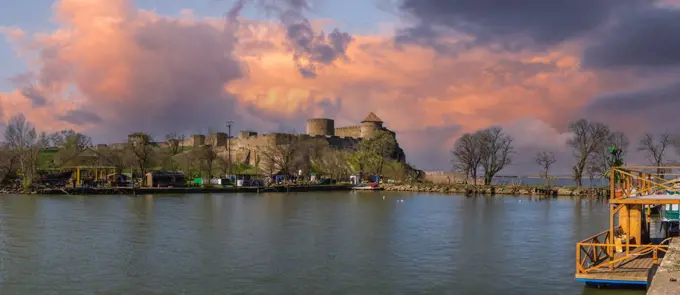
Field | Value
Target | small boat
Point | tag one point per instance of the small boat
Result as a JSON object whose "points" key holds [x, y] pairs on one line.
{"points": [[368, 187]]}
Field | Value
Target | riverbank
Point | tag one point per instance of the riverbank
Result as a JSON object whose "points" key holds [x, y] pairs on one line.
{"points": [[599, 192], [176, 190]]}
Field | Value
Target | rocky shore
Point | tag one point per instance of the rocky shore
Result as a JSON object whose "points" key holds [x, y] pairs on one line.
{"points": [[499, 190]]}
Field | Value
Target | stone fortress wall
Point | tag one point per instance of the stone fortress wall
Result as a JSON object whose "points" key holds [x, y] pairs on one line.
{"points": [[244, 147]]}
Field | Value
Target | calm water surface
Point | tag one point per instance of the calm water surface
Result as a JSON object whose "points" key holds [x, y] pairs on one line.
{"points": [[307, 243]]}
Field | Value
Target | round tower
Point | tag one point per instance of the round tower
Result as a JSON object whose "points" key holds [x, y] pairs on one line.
{"points": [[320, 126], [370, 125]]}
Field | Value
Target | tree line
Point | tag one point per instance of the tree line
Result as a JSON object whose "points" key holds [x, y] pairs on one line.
{"points": [[23, 153], [490, 150]]}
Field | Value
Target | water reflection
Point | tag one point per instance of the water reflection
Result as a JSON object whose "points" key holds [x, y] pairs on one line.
{"points": [[343, 243]]}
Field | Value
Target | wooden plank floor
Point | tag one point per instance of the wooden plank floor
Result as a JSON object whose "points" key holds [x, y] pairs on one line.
{"points": [[633, 270]]}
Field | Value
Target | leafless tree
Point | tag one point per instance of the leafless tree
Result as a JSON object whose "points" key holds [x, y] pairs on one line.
{"points": [[114, 157], [175, 143], [655, 148], [588, 137], [207, 154], [545, 160], [9, 162], [496, 150], [599, 163], [284, 156], [70, 143], [141, 146], [467, 155], [22, 138]]}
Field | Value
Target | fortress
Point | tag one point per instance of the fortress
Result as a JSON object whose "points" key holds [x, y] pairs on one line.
{"points": [[244, 147]]}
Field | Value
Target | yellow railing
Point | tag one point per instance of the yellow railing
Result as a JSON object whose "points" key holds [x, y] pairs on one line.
{"points": [[598, 252], [643, 180]]}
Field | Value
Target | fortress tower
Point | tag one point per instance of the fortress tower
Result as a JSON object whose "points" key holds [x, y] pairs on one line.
{"points": [[320, 126], [370, 125]]}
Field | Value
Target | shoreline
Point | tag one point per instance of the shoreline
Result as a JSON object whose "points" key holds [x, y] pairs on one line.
{"points": [[175, 190], [461, 189], [508, 190]]}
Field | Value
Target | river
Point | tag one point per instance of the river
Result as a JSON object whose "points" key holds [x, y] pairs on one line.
{"points": [[306, 243]]}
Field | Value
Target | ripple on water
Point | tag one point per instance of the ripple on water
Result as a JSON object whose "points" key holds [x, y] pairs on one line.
{"points": [[306, 243]]}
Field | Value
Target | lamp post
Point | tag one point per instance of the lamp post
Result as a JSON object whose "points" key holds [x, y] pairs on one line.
{"points": [[229, 145]]}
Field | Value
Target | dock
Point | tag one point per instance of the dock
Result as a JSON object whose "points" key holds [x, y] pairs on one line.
{"points": [[624, 254]]}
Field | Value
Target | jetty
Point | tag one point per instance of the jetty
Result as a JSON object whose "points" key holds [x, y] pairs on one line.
{"points": [[628, 252]]}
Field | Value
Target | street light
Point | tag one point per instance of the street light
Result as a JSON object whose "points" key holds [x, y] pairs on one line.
{"points": [[229, 145]]}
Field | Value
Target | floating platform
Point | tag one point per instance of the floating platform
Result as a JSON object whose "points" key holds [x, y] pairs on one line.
{"points": [[368, 188], [637, 270]]}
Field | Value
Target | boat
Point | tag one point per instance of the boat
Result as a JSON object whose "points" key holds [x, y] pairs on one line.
{"points": [[367, 187]]}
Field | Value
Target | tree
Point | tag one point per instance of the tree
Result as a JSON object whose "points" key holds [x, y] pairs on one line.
{"points": [[496, 150], [207, 155], [373, 152], [587, 138], [22, 139], [70, 143], [175, 146], [9, 162], [545, 160], [284, 156], [600, 161], [141, 146], [115, 157], [467, 155], [655, 149]]}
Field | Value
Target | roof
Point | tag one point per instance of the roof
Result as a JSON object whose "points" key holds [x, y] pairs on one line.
{"points": [[88, 158], [372, 118]]}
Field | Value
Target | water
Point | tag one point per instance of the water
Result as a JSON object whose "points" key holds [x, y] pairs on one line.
{"points": [[307, 243]]}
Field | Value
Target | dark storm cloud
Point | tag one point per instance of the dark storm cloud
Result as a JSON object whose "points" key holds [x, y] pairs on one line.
{"points": [[80, 117], [35, 95], [436, 154], [644, 110], [312, 51], [509, 23], [648, 38]]}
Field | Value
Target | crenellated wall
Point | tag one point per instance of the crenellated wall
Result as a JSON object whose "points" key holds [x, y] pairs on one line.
{"points": [[245, 147], [348, 131]]}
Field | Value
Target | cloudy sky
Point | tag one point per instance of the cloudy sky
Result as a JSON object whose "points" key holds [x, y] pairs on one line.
{"points": [[432, 70]]}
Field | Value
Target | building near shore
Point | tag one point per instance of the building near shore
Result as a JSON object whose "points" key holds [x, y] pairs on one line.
{"points": [[246, 144]]}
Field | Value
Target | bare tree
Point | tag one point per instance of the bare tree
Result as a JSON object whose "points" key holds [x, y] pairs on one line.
{"points": [[175, 146], [284, 156], [9, 162], [208, 156], [22, 138], [175, 143], [496, 150], [545, 160], [70, 143], [141, 146], [600, 161], [655, 149], [467, 155], [587, 138]]}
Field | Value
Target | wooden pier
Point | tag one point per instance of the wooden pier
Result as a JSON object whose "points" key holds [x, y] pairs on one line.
{"points": [[623, 254]]}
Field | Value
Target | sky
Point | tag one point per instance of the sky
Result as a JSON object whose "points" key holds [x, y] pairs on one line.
{"points": [[432, 70]]}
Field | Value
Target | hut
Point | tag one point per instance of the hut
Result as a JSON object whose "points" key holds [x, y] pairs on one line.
{"points": [[164, 178]]}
